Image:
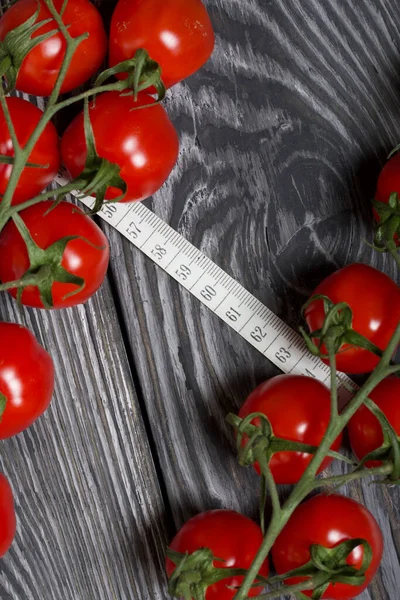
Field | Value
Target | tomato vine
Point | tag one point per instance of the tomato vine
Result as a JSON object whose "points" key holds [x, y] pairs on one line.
{"points": [[256, 443]]}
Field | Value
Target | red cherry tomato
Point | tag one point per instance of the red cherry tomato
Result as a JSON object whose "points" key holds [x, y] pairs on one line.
{"points": [[39, 70], [388, 183], [26, 379], [231, 537], [144, 143], [178, 34], [7, 516], [365, 431], [25, 117], [298, 409], [375, 301], [389, 179], [328, 520], [85, 259]]}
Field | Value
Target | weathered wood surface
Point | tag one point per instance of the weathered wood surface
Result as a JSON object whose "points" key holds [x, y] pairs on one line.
{"points": [[282, 137]]}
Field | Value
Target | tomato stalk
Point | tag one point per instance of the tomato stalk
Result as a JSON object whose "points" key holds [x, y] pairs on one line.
{"points": [[308, 482], [149, 74], [310, 584], [337, 330], [195, 572], [339, 480]]}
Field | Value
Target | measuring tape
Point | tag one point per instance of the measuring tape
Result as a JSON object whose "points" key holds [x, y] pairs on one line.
{"points": [[218, 291]]}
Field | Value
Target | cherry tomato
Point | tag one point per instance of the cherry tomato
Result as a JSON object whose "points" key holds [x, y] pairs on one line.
{"points": [[26, 379], [328, 520], [298, 409], [375, 301], [86, 258], [388, 183], [144, 143], [364, 429], [389, 179], [231, 537], [178, 34], [7, 516], [25, 117], [40, 68]]}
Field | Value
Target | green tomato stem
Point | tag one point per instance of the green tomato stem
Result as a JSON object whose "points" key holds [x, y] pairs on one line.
{"points": [[306, 483], [339, 480], [22, 154], [75, 185], [310, 584], [266, 471], [72, 44]]}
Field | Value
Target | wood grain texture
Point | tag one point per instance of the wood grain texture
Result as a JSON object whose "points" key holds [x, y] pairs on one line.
{"points": [[282, 136], [90, 514]]}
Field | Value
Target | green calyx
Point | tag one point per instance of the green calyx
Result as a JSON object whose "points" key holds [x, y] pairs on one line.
{"points": [[192, 575], [329, 566], [99, 173], [3, 404], [387, 233], [16, 46], [195, 572], [45, 267], [257, 443], [143, 73], [336, 332]]}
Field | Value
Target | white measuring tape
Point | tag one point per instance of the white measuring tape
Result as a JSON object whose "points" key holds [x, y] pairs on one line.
{"points": [[215, 289]]}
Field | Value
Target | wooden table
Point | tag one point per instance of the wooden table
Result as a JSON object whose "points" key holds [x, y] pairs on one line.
{"points": [[282, 137]]}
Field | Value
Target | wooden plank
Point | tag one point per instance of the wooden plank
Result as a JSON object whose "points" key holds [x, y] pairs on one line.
{"points": [[89, 508], [282, 137]]}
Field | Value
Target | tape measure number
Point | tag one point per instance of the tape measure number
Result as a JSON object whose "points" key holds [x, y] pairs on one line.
{"points": [[215, 289]]}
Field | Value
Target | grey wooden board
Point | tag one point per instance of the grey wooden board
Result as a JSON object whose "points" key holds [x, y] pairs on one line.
{"points": [[282, 137]]}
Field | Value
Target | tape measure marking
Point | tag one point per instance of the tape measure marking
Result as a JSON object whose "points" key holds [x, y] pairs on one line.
{"points": [[217, 290]]}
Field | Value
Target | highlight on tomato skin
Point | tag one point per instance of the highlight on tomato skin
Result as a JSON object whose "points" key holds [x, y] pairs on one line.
{"points": [[230, 536], [298, 409], [328, 520], [144, 143], [365, 431], [180, 39], [86, 257], [7, 516], [25, 117], [374, 299], [40, 68]]}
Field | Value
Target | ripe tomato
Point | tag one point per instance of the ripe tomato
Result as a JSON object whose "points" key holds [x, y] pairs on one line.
{"points": [[25, 116], [85, 259], [178, 34], [375, 301], [389, 179], [388, 183], [298, 409], [40, 68], [144, 143], [328, 520], [26, 379], [7, 516], [231, 537], [365, 431]]}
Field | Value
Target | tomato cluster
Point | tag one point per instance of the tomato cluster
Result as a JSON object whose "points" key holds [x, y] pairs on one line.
{"points": [[122, 146], [352, 316], [52, 254]]}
